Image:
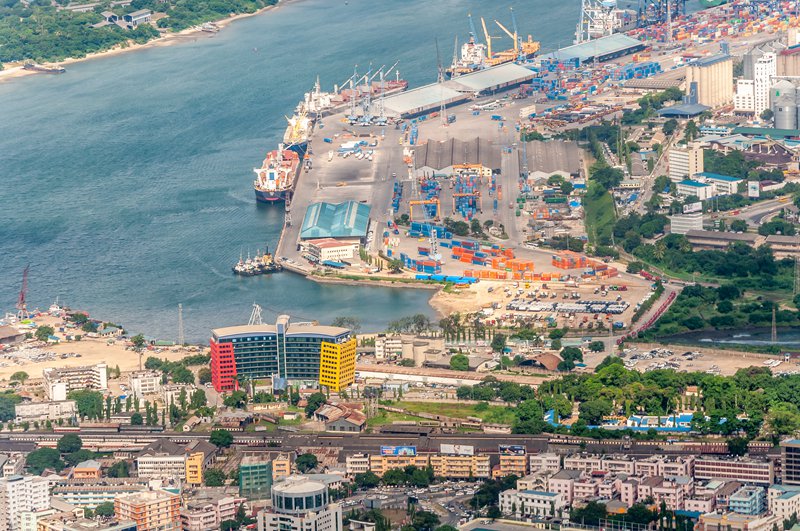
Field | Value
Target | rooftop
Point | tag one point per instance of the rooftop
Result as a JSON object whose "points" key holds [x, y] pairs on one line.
{"points": [[695, 184], [490, 78], [443, 154], [767, 131], [711, 60], [729, 236], [683, 109], [423, 98], [297, 485], [291, 330], [340, 220], [718, 177], [597, 48]]}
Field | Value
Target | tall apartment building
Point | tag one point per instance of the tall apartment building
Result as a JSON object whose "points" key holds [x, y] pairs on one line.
{"points": [[516, 465], [90, 494], [388, 346], [21, 494], [684, 162], [790, 461], [714, 78], [748, 471], [207, 510], [460, 466], [356, 464], [157, 510], [760, 66], [255, 476], [337, 365], [59, 382], [284, 350], [544, 462], [300, 504]]}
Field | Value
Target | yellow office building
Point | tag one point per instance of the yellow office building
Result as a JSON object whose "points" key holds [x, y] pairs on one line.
{"points": [[194, 468], [337, 365]]}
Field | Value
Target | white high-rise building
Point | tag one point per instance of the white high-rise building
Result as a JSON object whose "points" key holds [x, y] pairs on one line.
{"points": [[21, 494], [300, 504], [766, 68], [760, 69], [684, 162]]}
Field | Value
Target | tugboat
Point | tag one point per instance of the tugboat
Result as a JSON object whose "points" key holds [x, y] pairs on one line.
{"points": [[262, 264]]}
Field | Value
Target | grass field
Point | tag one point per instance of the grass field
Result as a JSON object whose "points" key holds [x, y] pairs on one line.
{"points": [[600, 214], [487, 413], [388, 417]]}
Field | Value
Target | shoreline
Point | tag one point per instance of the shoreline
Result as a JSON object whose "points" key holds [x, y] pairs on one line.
{"points": [[13, 71]]}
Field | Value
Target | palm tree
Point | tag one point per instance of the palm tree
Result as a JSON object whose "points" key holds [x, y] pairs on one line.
{"points": [[659, 250]]}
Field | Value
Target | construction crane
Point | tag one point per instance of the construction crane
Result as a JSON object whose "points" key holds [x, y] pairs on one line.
{"points": [[22, 304]]}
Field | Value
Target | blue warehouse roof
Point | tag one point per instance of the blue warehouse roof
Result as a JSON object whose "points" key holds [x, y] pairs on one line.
{"points": [[343, 220], [688, 182]]}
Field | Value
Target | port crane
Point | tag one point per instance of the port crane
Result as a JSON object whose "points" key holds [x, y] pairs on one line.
{"points": [[488, 39], [423, 202]]}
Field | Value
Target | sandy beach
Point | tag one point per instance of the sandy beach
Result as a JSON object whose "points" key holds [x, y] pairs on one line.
{"points": [[16, 70]]}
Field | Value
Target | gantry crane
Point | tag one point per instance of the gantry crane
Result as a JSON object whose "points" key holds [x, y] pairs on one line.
{"points": [[423, 203]]}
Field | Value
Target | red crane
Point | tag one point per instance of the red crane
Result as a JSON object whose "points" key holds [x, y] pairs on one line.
{"points": [[22, 307]]}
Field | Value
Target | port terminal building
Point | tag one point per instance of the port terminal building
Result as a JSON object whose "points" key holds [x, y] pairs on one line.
{"points": [[437, 157], [348, 220], [304, 352], [429, 98], [600, 50]]}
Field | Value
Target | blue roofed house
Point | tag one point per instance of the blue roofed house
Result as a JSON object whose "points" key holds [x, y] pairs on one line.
{"points": [[689, 187], [336, 220], [723, 184]]}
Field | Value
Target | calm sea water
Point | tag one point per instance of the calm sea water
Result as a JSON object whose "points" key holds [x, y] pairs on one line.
{"points": [[125, 183]]}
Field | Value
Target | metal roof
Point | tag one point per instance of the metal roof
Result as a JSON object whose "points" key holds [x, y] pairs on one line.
{"points": [[443, 154], [695, 184], [718, 177], [708, 61], [766, 131], [491, 78], [342, 220], [421, 99], [683, 109], [597, 48], [271, 329]]}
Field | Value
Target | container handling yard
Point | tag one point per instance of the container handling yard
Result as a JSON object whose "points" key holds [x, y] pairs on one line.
{"points": [[436, 183]]}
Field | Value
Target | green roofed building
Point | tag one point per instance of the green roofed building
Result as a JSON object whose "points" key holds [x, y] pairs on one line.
{"points": [[342, 220]]}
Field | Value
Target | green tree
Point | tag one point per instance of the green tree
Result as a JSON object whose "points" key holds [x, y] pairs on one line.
{"points": [[395, 266], [737, 446], [204, 376], [424, 521], [597, 346], [767, 115], [69, 443], [44, 458], [237, 399], [367, 480], [306, 462], [221, 438], [78, 456], [19, 376], [136, 419], [351, 323], [229, 525], [494, 512], [314, 402], [198, 399], [214, 477], [590, 514], [119, 469], [139, 342], [459, 362], [43, 332], [739, 225], [105, 509], [88, 402], [499, 342], [182, 374]]}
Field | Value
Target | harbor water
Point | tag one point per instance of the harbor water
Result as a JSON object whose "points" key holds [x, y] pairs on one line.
{"points": [[127, 181]]}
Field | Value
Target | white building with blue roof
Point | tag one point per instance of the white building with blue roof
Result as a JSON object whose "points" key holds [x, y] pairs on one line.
{"points": [[723, 184], [689, 187]]}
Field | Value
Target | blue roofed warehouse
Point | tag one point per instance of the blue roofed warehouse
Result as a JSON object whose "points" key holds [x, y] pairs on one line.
{"points": [[335, 220]]}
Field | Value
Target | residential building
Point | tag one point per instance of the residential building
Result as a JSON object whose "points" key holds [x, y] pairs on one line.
{"points": [[255, 476], [62, 522], [685, 161], [689, 187], [323, 249], [744, 100], [207, 510], [516, 465], [563, 483], [714, 78], [87, 470], [157, 510], [629, 490], [379, 464], [90, 494], [748, 471], [21, 494], [790, 461], [671, 492], [300, 504], [161, 459], [660, 465], [142, 16], [586, 487], [145, 383], [783, 500], [194, 468], [683, 223], [281, 467], [356, 464], [752, 91], [546, 462], [735, 522], [699, 504], [44, 411], [531, 503], [748, 500], [388, 346], [536, 480], [461, 466], [285, 350], [59, 382], [172, 393], [13, 464], [337, 365]]}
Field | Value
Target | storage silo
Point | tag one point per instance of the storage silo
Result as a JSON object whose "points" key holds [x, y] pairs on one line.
{"points": [[783, 99]]}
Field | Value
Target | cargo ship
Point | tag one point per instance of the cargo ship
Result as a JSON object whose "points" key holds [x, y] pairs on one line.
{"points": [[262, 264], [298, 130], [276, 176], [477, 56]]}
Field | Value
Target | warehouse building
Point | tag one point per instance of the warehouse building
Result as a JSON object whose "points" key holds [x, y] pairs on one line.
{"points": [[602, 49], [442, 156], [348, 220], [422, 100], [491, 80]]}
